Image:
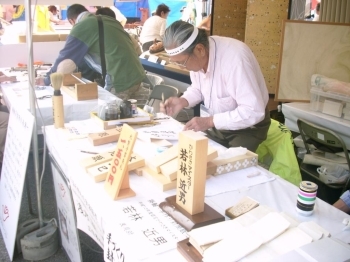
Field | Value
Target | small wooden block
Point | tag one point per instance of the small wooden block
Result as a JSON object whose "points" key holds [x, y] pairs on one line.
{"points": [[96, 160], [169, 169], [100, 172], [243, 206], [158, 179], [211, 168], [69, 80], [104, 137], [162, 158], [212, 153], [138, 171]]}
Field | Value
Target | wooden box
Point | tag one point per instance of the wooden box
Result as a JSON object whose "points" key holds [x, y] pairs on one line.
{"points": [[141, 118], [82, 91], [235, 163]]}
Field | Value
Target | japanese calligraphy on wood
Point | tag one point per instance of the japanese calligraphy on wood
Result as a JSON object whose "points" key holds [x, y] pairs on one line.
{"points": [[96, 160], [105, 137], [99, 172], [117, 181], [191, 175]]}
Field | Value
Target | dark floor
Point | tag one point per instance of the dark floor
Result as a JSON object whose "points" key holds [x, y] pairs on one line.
{"points": [[89, 249]]}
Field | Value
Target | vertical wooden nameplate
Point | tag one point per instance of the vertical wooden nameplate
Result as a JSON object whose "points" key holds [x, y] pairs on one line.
{"points": [[188, 207], [117, 180]]}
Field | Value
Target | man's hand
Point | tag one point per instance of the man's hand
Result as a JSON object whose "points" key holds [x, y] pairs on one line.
{"points": [[200, 123], [173, 105]]}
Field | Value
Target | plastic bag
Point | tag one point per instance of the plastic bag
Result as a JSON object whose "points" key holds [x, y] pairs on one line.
{"points": [[333, 174]]}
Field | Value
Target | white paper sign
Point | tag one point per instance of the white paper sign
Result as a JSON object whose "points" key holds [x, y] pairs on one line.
{"points": [[153, 58], [143, 227], [89, 220], [159, 134], [19, 133], [66, 216]]}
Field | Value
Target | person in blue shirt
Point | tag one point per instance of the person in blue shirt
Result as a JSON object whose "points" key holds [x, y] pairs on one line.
{"points": [[344, 202]]}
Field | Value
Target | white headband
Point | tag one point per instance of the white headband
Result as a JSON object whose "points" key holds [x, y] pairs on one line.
{"points": [[185, 45]]}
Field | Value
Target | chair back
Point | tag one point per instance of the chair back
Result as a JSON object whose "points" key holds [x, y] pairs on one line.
{"points": [[323, 136], [151, 80], [162, 91]]}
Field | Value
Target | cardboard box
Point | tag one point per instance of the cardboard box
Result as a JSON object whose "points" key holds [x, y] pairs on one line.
{"points": [[141, 118], [236, 163]]}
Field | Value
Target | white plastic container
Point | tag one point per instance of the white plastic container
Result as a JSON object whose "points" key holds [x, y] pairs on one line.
{"points": [[330, 103]]}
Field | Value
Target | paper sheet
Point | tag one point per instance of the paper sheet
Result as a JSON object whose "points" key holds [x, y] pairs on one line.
{"points": [[237, 180]]}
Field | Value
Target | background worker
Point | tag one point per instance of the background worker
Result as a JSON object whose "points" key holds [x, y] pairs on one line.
{"points": [[226, 76], [154, 27], [53, 15]]}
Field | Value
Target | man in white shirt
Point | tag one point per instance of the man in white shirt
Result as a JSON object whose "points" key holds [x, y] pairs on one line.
{"points": [[154, 27], [226, 76], [118, 15]]}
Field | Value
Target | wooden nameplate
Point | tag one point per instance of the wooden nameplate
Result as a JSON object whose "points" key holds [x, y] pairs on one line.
{"points": [[99, 172], [207, 217], [189, 252], [104, 137]]}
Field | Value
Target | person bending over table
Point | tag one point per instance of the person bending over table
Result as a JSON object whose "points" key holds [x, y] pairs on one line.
{"points": [[109, 12], [226, 76], [154, 27], [124, 70]]}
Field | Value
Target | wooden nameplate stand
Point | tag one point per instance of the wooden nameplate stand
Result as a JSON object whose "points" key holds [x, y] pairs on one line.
{"points": [[187, 207], [77, 89], [117, 180], [189, 252]]}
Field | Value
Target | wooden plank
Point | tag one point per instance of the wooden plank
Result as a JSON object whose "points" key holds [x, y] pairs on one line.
{"points": [[118, 171], [193, 149], [96, 159], [99, 172], [104, 137], [162, 158], [169, 169], [158, 179]]}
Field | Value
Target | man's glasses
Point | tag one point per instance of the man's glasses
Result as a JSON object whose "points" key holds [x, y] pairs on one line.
{"points": [[180, 64]]}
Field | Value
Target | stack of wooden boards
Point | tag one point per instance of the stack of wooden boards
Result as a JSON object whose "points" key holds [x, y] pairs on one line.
{"points": [[161, 169], [97, 166], [259, 235]]}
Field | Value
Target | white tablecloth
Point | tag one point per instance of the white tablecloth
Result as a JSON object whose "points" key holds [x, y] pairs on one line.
{"points": [[73, 110], [293, 111], [277, 194]]}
